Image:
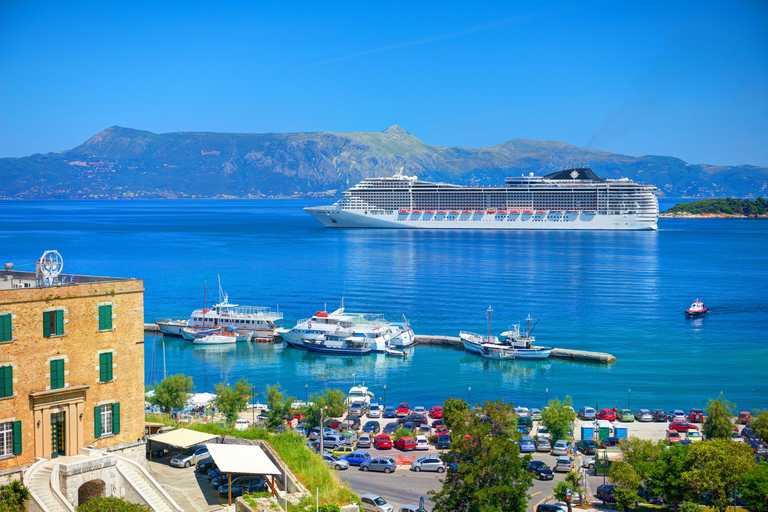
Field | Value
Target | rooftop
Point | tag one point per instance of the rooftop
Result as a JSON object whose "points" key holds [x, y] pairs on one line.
{"points": [[13, 279]]}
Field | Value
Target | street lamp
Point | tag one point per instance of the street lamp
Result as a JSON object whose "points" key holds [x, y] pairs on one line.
{"points": [[469, 396], [306, 393], [546, 399], [628, 398], [385, 396]]}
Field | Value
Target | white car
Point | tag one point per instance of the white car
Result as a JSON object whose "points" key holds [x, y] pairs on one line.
{"points": [[242, 424], [542, 432], [536, 414], [522, 412], [422, 443], [375, 503], [677, 415], [374, 411], [562, 447], [736, 438], [588, 463]]}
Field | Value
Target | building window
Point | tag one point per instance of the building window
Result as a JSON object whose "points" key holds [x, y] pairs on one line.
{"points": [[53, 323], [57, 373], [105, 317], [6, 381], [10, 438], [6, 327], [106, 420], [105, 367]]}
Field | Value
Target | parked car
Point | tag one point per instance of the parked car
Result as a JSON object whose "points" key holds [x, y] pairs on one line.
{"points": [[372, 427], [744, 417], [564, 464], [350, 423], [543, 444], [331, 442], [694, 436], [605, 493], [437, 423], [542, 432], [609, 441], [429, 463], [242, 424], [186, 458], [540, 469], [332, 461], [403, 409], [390, 412], [382, 442], [626, 416], [677, 415], [358, 408], [314, 433], [527, 445], [562, 447], [419, 410], [204, 466], [659, 415], [243, 484], [682, 426], [356, 458], [587, 413], [436, 411], [696, 416], [587, 447], [342, 450], [416, 419], [536, 414], [546, 507], [412, 508], [365, 441], [673, 436], [385, 464], [374, 411], [422, 443], [522, 412], [375, 503], [589, 463], [607, 415], [749, 435], [301, 429], [524, 430], [525, 420], [405, 444], [643, 415], [759, 448], [331, 424], [443, 442], [736, 438], [390, 428]]}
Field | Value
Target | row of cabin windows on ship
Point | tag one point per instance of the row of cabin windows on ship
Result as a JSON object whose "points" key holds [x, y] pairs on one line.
{"points": [[54, 320]]}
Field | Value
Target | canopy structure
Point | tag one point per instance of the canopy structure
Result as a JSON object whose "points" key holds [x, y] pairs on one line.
{"points": [[201, 398], [183, 438], [244, 460]]}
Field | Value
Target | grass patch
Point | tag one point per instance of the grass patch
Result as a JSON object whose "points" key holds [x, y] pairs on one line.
{"points": [[165, 419], [308, 467]]}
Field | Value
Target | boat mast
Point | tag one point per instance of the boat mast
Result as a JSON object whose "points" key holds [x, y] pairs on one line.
{"points": [[488, 340], [204, 283]]}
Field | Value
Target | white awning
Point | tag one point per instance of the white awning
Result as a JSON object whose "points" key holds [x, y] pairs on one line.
{"points": [[242, 459], [201, 398], [183, 438]]}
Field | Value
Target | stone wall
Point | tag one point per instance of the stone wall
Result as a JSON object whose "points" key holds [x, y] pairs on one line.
{"points": [[136, 451]]}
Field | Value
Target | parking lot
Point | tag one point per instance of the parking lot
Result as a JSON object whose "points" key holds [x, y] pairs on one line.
{"points": [[190, 489]]}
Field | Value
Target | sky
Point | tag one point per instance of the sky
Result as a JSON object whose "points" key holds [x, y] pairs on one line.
{"points": [[684, 79]]}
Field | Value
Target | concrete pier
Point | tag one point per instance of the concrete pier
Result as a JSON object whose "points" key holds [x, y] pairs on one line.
{"points": [[428, 339], [151, 328]]}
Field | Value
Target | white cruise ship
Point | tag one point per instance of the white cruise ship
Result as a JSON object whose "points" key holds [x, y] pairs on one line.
{"points": [[571, 199]]}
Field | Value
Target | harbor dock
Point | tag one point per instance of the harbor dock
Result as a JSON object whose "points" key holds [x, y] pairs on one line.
{"points": [[151, 328]]}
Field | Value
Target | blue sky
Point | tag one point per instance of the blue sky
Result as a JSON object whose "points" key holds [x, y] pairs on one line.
{"points": [[684, 79]]}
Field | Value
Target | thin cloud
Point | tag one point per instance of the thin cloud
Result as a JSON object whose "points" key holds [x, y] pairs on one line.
{"points": [[511, 20]]}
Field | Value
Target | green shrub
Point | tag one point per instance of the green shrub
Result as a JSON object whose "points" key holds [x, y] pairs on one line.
{"points": [[402, 432], [13, 496], [111, 505]]}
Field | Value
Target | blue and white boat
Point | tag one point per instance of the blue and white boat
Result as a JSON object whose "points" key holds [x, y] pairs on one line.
{"points": [[342, 342], [522, 343]]}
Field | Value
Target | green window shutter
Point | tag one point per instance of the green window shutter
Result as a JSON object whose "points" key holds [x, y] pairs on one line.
{"points": [[105, 367], [97, 421], [6, 324], [57, 374], [6, 381], [47, 324], [116, 418], [59, 321], [105, 318], [17, 438]]}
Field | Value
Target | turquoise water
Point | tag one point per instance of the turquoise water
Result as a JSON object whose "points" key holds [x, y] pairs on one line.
{"points": [[617, 292]]}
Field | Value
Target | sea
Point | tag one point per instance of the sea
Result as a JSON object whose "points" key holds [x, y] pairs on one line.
{"points": [[618, 292]]}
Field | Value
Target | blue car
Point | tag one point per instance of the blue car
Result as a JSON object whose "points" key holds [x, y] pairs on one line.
{"points": [[527, 445], [390, 412], [243, 483], [356, 458]]}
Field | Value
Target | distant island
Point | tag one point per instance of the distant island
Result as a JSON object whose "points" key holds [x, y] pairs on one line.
{"points": [[123, 163], [722, 207]]}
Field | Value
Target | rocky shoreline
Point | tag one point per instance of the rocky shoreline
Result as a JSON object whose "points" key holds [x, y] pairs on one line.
{"points": [[686, 215]]}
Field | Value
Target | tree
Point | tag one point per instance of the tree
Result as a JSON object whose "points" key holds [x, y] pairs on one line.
{"points": [[485, 471], [573, 482], [279, 406], [13, 496], [754, 488], [760, 423], [640, 454], [715, 468], [172, 393], [627, 483], [665, 472], [452, 407], [558, 417], [718, 423], [330, 403], [231, 401]]}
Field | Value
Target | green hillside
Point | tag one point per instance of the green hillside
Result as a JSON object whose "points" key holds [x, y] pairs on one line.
{"points": [[723, 205]]}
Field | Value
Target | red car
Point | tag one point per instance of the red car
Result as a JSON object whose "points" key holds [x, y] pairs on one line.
{"points": [[333, 424], [682, 426], [442, 429], [382, 442], [744, 417], [405, 444], [606, 414], [403, 409], [436, 412], [673, 436], [696, 416]]}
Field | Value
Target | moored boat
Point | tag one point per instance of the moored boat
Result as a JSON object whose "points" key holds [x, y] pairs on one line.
{"points": [[696, 309], [522, 343], [342, 343], [214, 339], [496, 352], [474, 341]]}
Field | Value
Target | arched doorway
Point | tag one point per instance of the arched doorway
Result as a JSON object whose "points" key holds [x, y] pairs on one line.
{"points": [[90, 490]]}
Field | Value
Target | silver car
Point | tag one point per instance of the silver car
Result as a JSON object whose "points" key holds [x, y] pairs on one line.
{"points": [[643, 415], [430, 463], [364, 441], [562, 447], [374, 411], [564, 464], [335, 462], [190, 457], [375, 503]]}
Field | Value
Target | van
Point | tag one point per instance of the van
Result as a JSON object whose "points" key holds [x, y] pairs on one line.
{"points": [[587, 413], [242, 424]]}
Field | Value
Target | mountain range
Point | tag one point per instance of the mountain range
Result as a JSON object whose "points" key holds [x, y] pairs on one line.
{"points": [[127, 163]]}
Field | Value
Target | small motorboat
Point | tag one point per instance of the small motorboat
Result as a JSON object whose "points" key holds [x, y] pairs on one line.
{"points": [[393, 352], [696, 309], [497, 352]]}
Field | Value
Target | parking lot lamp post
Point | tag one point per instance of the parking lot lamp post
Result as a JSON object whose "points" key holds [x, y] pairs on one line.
{"points": [[306, 393], [546, 396], [385, 396], [469, 397], [605, 459], [629, 391], [253, 407]]}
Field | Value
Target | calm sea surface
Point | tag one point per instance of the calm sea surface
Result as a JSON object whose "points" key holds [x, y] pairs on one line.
{"points": [[617, 292]]}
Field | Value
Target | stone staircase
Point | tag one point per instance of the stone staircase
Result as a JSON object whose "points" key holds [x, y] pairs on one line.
{"points": [[146, 486], [40, 480]]}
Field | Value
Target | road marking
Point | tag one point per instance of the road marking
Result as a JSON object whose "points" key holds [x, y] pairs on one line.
{"points": [[542, 501], [534, 494]]}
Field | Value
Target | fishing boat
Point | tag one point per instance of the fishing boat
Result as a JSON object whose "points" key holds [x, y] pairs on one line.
{"points": [[473, 341], [522, 343], [696, 309], [496, 352], [343, 343]]}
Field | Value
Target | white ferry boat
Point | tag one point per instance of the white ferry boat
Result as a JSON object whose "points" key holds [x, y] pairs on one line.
{"points": [[572, 199], [379, 334]]}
